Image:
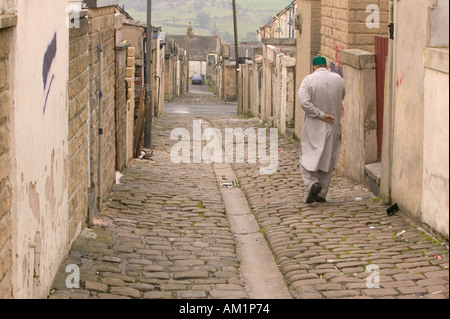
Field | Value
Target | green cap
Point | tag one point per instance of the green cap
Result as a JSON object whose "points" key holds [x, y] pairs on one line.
{"points": [[319, 60]]}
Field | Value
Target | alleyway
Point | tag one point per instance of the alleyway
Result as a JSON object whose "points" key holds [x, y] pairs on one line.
{"points": [[165, 232]]}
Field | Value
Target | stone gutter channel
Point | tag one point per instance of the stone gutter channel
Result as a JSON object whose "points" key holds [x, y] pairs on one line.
{"points": [[258, 267]]}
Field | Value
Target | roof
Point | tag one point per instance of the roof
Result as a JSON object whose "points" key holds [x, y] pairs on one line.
{"points": [[200, 46], [125, 13], [276, 16], [246, 49], [134, 23]]}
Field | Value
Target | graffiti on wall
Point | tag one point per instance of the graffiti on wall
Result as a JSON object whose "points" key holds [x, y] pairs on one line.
{"points": [[49, 57], [336, 67]]}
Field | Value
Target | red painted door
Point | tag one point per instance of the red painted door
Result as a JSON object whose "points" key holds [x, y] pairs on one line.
{"points": [[381, 52]]}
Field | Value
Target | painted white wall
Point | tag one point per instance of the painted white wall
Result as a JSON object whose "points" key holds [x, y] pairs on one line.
{"points": [[420, 175], [408, 123], [39, 131], [197, 67], [439, 25], [435, 199]]}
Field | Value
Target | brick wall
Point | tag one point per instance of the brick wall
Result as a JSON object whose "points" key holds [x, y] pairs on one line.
{"points": [[5, 167], [78, 125]]}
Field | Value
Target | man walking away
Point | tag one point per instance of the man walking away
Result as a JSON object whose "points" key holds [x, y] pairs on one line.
{"points": [[320, 95]]}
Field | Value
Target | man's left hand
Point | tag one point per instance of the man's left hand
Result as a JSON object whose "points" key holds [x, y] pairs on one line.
{"points": [[329, 118]]}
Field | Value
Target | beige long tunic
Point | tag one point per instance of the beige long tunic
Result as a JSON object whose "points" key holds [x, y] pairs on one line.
{"points": [[321, 93]]}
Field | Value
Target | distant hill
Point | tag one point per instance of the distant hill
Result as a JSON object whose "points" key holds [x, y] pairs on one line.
{"points": [[208, 17]]}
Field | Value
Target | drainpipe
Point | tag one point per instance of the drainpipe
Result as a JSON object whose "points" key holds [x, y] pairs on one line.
{"points": [[387, 156], [89, 120], [37, 246], [292, 20], [149, 79], [100, 130], [116, 102], [92, 205], [236, 55]]}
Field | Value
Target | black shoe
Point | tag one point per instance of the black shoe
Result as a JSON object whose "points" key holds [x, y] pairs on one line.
{"points": [[321, 199], [315, 190]]}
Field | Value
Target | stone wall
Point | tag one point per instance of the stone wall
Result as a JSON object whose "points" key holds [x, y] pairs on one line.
{"points": [[229, 81], [6, 29], [343, 26], [267, 86], [286, 120], [217, 79], [101, 30], [97, 25], [158, 63], [277, 77], [360, 126], [308, 46], [350, 25], [245, 72], [129, 78], [49, 142], [121, 111], [168, 78], [173, 81], [78, 125], [134, 33], [256, 86]]}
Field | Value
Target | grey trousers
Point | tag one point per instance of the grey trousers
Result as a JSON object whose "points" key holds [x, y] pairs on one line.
{"points": [[310, 178]]}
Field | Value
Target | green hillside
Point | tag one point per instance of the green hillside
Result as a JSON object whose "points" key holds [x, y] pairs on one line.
{"points": [[207, 16]]}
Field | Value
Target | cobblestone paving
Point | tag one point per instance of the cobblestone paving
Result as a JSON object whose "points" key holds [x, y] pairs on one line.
{"points": [[164, 234], [324, 249]]}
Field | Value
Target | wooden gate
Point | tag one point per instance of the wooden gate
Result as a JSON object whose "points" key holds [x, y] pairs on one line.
{"points": [[381, 52]]}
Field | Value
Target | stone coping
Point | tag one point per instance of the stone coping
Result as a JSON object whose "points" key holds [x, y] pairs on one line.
{"points": [[358, 59], [100, 3], [122, 46], [437, 59], [7, 21], [279, 41]]}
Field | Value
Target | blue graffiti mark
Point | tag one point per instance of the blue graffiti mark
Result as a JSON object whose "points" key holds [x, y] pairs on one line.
{"points": [[48, 92], [337, 69], [49, 57]]}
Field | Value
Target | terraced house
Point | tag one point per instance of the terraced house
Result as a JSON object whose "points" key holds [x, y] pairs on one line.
{"points": [[72, 111], [67, 125], [396, 104]]}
